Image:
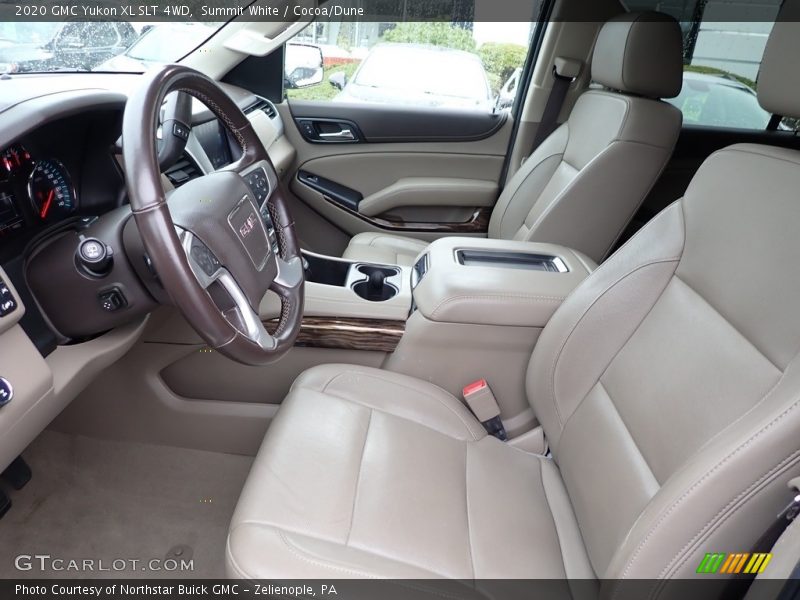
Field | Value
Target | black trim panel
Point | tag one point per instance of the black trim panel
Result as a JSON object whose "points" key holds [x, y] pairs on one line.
{"points": [[698, 143], [379, 123], [695, 145], [340, 194]]}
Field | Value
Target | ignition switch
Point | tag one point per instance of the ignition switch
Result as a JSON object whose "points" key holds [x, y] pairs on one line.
{"points": [[95, 257]]}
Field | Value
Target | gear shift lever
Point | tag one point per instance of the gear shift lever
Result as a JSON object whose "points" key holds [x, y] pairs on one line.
{"points": [[375, 284]]}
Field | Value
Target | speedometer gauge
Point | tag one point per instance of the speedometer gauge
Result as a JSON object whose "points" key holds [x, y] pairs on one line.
{"points": [[50, 190]]}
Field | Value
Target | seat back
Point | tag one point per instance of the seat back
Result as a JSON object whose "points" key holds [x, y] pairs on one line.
{"points": [[668, 383], [583, 184]]}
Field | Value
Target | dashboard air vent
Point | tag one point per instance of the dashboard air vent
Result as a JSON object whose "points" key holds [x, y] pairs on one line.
{"points": [[183, 171], [263, 105]]}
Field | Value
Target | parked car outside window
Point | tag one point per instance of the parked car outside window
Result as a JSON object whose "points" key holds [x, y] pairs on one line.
{"points": [[445, 65], [505, 99], [418, 75], [719, 100]]}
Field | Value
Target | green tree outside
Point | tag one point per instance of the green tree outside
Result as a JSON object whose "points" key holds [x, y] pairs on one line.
{"points": [[436, 34], [500, 60]]}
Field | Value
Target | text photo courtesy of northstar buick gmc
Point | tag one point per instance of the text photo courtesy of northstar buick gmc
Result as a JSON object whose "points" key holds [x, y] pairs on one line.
{"points": [[452, 305]]}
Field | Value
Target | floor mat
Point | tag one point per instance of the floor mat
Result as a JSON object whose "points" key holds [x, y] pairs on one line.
{"points": [[120, 505]]}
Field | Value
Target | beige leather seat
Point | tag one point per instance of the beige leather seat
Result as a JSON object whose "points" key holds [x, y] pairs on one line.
{"points": [[667, 384], [582, 185]]}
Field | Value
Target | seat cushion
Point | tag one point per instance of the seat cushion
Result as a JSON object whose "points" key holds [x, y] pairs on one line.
{"points": [[384, 248], [367, 473]]}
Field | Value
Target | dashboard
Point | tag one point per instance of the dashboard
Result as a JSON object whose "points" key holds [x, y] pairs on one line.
{"points": [[62, 181], [64, 318], [66, 169]]}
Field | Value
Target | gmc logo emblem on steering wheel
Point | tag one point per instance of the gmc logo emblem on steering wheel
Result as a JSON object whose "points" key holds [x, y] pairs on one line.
{"points": [[247, 227]]}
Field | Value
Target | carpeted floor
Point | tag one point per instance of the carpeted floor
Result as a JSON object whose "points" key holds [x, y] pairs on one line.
{"points": [[103, 500]]}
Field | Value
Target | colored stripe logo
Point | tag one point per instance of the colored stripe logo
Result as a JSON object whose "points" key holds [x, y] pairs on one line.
{"points": [[734, 563]]}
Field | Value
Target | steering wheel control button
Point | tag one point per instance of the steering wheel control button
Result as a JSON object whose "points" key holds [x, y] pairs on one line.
{"points": [[8, 303], [95, 257], [181, 131], [258, 182], [204, 258], [112, 300], [267, 218], [6, 391]]}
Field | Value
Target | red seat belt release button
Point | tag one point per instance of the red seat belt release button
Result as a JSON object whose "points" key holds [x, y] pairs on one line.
{"points": [[481, 401], [474, 387]]}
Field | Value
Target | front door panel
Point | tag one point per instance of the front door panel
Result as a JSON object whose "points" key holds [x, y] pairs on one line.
{"points": [[418, 172]]}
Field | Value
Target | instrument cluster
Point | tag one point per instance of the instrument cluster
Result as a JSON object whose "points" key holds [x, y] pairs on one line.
{"points": [[33, 191]]}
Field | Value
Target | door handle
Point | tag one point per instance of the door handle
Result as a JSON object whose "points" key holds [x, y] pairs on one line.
{"points": [[344, 134], [322, 130]]}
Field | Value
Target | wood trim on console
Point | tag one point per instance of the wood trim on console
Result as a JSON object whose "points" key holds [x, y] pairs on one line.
{"points": [[378, 335]]}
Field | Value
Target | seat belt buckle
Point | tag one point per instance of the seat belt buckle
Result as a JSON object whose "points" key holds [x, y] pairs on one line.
{"points": [[791, 512], [481, 401]]}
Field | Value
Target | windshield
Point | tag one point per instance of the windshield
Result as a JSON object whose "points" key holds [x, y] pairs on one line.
{"points": [[439, 72], [27, 33], [177, 40], [27, 47]]}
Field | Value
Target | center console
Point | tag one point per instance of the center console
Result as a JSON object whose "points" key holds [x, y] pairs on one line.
{"points": [[468, 309], [350, 305], [495, 282], [370, 282]]}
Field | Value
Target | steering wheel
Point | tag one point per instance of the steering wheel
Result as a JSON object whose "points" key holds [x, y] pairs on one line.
{"points": [[208, 240]]}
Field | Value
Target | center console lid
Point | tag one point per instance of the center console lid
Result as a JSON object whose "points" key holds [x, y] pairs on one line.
{"points": [[495, 282]]}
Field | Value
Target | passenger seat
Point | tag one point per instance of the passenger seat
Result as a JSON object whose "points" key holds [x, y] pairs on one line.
{"points": [[583, 184]]}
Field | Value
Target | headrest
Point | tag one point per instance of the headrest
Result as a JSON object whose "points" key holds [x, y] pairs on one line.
{"points": [[640, 53], [779, 77]]}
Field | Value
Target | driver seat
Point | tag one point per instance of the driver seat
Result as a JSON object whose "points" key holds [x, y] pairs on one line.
{"points": [[667, 384]]}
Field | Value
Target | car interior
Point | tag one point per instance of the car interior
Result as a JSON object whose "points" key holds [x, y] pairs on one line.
{"points": [[290, 339]]}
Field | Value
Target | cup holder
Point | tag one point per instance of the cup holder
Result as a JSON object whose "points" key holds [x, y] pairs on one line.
{"points": [[375, 287], [370, 269], [385, 292]]}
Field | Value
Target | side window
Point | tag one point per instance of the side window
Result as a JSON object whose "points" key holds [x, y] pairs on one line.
{"points": [[449, 65], [721, 58], [721, 61]]}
